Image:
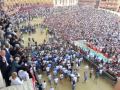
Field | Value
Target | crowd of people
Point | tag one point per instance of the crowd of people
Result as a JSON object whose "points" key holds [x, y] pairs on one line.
{"points": [[15, 64], [111, 67], [56, 61], [98, 27], [59, 59]]}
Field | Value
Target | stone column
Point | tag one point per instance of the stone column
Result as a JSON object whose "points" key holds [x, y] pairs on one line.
{"points": [[58, 2], [67, 2], [63, 2], [73, 2], [55, 2]]}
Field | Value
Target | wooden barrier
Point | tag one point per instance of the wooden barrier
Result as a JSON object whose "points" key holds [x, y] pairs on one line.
{"points": [[27, 85]]}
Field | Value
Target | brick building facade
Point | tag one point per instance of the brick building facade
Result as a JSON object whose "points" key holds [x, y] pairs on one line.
{"points": [[110, 4], [105, 4]]}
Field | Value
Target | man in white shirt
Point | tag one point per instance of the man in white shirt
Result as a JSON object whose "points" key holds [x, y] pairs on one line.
{"points": [[44, 85], [40, 78], [75, 79], [78, 77], [47, 70], [56, 81]]}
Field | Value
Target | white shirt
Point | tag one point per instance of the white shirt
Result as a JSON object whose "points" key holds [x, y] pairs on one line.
{"points": [[101, 71], [52, 89], [50, 77], [47, 69], [61, 76], [78, 75], [16, 81], [40, 76], [57, 67], [65, 71], [23, 75], [80, 60], [69, 66], [72, 75], [75, 78], [60, 66], [76, 65], [86, 67], [4, 58], [44, 84], [56, 80]]}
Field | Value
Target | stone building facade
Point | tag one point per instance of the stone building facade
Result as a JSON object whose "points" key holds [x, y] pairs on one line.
{"points": [[65, 2]]}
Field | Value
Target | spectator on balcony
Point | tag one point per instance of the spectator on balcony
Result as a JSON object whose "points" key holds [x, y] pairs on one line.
{"points": [[4, 67], [7, 52], [14, 64], [23, 75], [15, 80]]}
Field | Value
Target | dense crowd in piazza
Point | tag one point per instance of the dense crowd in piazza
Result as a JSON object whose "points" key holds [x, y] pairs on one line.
{"points": [[98, 27]]}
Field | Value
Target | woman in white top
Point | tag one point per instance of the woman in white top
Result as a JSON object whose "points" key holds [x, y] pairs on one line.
{"points": [[44, 85], [15, 80], [23, 75]]}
